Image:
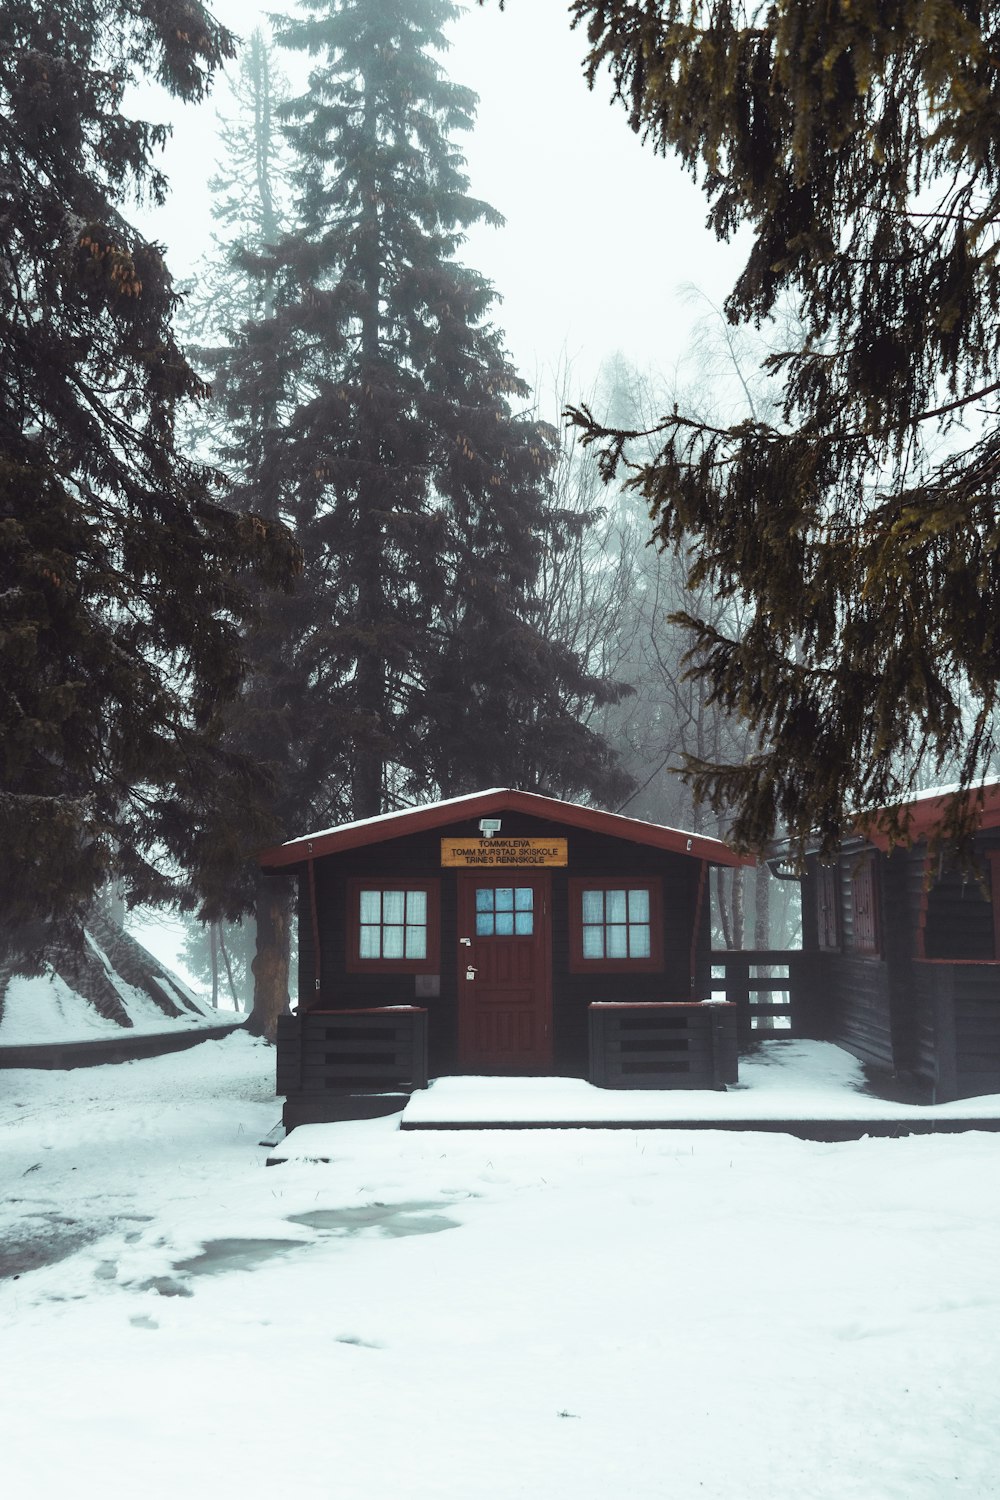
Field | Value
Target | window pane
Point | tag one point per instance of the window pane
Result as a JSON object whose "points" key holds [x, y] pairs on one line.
{"points": [[484, 924], [393, 926], [505, 899], [524, 898], [616, 905], [393, 906], [371, 906], [617, 942], [593, 942], [484, 900], [505, 924], [638, 906], [593, 907], [392, 942], [416, 942], [638, 941], [523, 923]]}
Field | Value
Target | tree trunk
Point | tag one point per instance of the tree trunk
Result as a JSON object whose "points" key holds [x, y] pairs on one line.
{"points": [[739, 924], [213, 953], [370, 670], [762, 908], [723, 906], [273, 909], [229, 969]]}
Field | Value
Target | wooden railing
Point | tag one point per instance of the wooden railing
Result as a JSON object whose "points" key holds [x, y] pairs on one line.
{"points": [[777, 992], [665, 1045]]}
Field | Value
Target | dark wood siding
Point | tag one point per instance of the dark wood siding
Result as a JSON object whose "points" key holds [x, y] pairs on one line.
{"points": [[928, 1005], [964, 1000], [859, 1008], [856, 999], [920, 999], [977, 1029], [898, 922], [810, 905], [925, 1062], [307, 956]]}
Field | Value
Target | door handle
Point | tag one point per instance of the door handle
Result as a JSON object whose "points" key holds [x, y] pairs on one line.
{"points": [[470, 972]]}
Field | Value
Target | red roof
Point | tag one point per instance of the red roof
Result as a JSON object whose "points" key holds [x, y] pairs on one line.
{"points": [[924, 811], [498, 800]]}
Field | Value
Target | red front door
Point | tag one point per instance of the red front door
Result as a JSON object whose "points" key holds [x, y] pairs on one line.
{"points": [[504, 973]]}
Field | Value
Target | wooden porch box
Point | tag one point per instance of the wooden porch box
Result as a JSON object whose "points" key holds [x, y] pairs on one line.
{"points": [[662, 1045]]}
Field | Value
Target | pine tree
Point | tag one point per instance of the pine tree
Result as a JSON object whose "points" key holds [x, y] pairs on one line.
{"points": [[294, 740], [120, 593], [428, 489], [419, 495], [859, 146]]}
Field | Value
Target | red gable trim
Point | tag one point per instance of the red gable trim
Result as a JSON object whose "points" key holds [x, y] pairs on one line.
{"points": [[480, 804], [924, 812]]}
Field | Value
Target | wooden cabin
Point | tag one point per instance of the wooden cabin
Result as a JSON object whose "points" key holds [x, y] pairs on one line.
{"points": [[501, 932], [907, 949]]}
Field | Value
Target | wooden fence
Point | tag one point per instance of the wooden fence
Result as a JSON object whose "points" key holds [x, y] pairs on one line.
{"points": [[777, 992]]}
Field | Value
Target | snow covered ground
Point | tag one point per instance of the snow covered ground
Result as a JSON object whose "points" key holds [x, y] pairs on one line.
{"points": [[565, 1315], [783, 1080]]}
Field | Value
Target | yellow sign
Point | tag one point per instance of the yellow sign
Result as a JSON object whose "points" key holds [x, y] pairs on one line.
{"points": [[497, 851]]}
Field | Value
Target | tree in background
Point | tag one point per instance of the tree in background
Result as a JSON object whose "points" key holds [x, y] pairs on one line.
{"points": [[287, 715], [221, 955], [857, 526], [232, 289], [429, 491], [620, 591], [370, 403], [120, 592]]}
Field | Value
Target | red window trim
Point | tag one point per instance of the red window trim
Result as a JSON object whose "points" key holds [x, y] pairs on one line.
{"points": [[355, 964], [827, 908], [868, 941], [576, 885], [993, 856]]}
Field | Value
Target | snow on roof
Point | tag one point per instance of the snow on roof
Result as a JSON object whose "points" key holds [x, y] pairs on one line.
{"points": [[923, 810], [431, 815], [388, 817], [950, 790]]}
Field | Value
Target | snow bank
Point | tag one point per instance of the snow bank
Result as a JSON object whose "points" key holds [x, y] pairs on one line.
{"points": [[46, 1009]]}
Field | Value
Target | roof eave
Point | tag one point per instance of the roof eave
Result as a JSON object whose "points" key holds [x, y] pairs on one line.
{"points": [[440, 814]]}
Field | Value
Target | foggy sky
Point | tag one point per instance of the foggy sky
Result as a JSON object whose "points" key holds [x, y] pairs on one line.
{"points": [[601, 234]]}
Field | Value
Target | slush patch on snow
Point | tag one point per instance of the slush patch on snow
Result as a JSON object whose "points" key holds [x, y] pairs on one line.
{"points": [[393, 1219], [43, 1240], [235, 1255]]}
